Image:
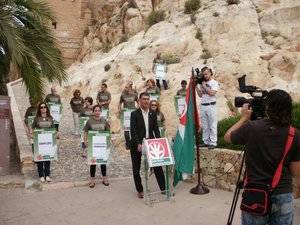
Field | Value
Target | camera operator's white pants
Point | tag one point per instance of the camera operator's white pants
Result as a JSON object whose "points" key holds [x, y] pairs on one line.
{"points": [[209, 123]]}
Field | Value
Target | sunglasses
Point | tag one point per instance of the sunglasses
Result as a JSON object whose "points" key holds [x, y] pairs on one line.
{"points": [[153, 105], [43, 107]]}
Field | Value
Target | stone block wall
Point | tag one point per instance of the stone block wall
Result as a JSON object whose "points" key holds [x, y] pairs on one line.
{"points": [[72, 18], [220, 169]]}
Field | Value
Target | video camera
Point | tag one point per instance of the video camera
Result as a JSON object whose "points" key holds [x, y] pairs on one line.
{"points": [[199, 75], [257, 102]]}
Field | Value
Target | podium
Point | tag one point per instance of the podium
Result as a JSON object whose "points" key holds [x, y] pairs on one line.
{"points": [[157, 152]]}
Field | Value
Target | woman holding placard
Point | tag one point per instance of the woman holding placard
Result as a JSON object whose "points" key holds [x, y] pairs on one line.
{"points": [[43, 120], [155, 106], [87, 112], [151, 89], [96, 123]]}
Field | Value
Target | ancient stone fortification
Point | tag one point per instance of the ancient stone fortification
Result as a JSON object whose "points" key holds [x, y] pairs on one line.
{"points": [[72, 18]]}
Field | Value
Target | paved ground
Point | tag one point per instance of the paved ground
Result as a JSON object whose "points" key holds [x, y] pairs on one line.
{"points": [[114, 205], [71, 165]]}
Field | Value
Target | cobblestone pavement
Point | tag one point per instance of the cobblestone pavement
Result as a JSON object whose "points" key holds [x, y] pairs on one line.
{"points": [[71, 165]]}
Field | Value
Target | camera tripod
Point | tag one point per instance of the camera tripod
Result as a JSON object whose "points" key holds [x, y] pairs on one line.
{"points": [[239, 186]]}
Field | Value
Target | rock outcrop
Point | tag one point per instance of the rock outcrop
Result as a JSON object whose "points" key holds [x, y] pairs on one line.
{"points": [[260, 38]]}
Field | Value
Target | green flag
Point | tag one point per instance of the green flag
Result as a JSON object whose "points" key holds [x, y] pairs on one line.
{"points": [[183, 148]]}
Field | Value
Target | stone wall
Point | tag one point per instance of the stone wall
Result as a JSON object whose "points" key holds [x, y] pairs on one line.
{"points": [[72, 19], [220, 169]]}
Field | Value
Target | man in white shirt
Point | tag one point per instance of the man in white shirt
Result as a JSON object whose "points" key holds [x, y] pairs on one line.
{"points": [[208, 108]]}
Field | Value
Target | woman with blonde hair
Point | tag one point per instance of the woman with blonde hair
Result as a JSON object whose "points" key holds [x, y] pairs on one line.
{"points": [[155, 107]]}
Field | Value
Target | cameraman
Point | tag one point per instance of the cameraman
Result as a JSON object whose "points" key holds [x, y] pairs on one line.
{"points": [[264, 142], [208, 110]]}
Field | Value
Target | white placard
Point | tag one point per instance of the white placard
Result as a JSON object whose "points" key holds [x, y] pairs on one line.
{"points": [[181, 104], [126, 120], [160, 71], [104, 113], [45, 144], [100, 147], [154, 97], [55, 112]]}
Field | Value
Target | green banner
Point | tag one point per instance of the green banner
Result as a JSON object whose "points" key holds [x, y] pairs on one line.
{"points": [[44, 145], [98, 147], [55, 111], [30, 120], [82, 122], [162, 131], [125, 118], [179, 102]]}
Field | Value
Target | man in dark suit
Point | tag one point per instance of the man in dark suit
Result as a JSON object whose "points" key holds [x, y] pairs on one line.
{"points": [[143, 124]]}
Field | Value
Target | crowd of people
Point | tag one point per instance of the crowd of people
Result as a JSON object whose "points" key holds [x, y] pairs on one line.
{"points": [[264, 139]]}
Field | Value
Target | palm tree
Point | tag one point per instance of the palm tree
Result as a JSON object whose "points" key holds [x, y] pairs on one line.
{"points": [[27, 45]]}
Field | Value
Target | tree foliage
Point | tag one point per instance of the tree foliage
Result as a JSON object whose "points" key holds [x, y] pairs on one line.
{"points": [[27, 45]]}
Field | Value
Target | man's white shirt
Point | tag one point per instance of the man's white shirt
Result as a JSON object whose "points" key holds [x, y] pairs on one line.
{"points": [[146, 121], [213, 85]]}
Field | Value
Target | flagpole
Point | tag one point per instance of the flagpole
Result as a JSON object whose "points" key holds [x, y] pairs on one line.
{"points": [[200, 188]]}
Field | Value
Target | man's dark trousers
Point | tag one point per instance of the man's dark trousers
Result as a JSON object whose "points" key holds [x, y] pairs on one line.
{"points": [[136, 158]]}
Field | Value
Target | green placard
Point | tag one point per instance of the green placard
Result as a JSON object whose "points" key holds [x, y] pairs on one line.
{"points": [[162, 131], [82, 122], [125, 118], [98, 147], [44, 145], [30, 120], [55, 111], [179, 102]]}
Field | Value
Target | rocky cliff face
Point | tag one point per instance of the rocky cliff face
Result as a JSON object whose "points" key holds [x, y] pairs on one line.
{"points": [[260, 38]]}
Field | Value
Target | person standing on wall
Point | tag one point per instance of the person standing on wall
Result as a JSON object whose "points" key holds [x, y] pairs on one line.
{"points": [[103, 97], [128, 100], [158, 63], [53, 97], [208, 108]]}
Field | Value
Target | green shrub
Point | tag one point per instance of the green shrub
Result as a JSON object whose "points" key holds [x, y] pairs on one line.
{"points": [[296, 115], [193, 18], [170, 58], [123, 38], [231, 2], [199, 34], [142, 47], [156, 17], [107, 67], [223, 126], [206, 54], [191, 6]]}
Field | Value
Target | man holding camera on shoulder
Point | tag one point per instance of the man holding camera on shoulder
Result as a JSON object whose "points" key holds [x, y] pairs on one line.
{"points": [[272, 158], [208, 109]]}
